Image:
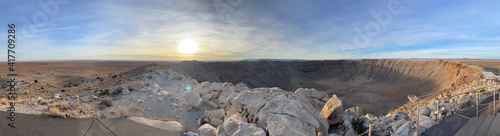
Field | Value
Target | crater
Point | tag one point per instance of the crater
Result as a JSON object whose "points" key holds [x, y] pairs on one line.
{"points": [[375, 85]]}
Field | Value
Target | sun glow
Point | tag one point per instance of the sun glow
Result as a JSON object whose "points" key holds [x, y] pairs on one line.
{"points": [[187, 46]]}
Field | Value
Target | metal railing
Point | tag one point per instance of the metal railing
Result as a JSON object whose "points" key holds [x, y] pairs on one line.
{"points": [[476, 91]]}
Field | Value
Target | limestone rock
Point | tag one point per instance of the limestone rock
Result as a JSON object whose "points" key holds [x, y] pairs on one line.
{"points": [[424, 111], [224, 94], [216, 122], [404, 130], [218, 114], [277, 111], [206, 130], [136, 85], [216, 86], [207, 97], [333, 111], [204, 88], [426, 122], [433, 106], [236, 128], [125, 90], [193, 99], [311, 93]]}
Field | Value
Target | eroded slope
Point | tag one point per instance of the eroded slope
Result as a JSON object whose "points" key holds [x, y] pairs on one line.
{"points": [[375, 85]]}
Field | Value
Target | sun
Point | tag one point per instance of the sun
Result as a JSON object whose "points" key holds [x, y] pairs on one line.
{"points": [[187, 46]]}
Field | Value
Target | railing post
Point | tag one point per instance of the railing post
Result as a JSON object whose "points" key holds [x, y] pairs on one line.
{"points": [[418, 119], [494, 102], [477, 106], [370, 130], [437, 111]]}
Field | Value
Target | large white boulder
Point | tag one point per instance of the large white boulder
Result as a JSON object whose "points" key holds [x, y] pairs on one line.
{"points": [[204, 88], [333, 111], [277, 111], [193, 99], [169, 125], [426, 122], [206, 130], [216, 86], [234, 127], [311, 93], [404, 130], [224, 94]]}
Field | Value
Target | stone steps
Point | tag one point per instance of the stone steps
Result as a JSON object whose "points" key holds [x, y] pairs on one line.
{"points": [[485, 127], [470, 127], [482, 126], [495, 127]]}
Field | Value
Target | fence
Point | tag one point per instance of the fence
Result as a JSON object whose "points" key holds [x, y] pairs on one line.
{"points": [[476, 91]]}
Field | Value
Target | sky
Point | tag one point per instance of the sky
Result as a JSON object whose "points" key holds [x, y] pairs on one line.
{"points": [[238, 29]]}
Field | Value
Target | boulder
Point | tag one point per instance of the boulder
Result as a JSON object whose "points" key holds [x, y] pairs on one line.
{"points": [[125, 90], [233, 127], [193, 99], [424, 111], [398, 124], [404, 130], [216, 122], [426, 122], [204, 88], [439, 116], [211, 104], [400, 115], [172, 126], [206, 130], [220, 131], [433, 106], [333, 111], [216, 86], [135, 86], [311, 93], [240, 87], [218, 114], [318, 105], [207, 97], [277, 111], [224, 94]]}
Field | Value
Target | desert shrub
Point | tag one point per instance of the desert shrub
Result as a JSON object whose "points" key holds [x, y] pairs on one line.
{"points": [[125, 113], [76, 84], [41, 87], [36, 81], [107, 91], [106, 102], [55, 111], [358, 125]]}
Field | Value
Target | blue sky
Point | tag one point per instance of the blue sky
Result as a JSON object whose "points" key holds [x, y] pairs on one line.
{"points": [[237, 29]]}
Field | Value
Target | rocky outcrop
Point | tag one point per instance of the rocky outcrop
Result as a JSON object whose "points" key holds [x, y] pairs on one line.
{"points": [[398, 77], [277, 111], [206, 130], [333, 111], [234, 127]]}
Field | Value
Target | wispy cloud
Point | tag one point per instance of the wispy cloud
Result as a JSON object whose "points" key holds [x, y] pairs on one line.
{"points": [[236, 29]]}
